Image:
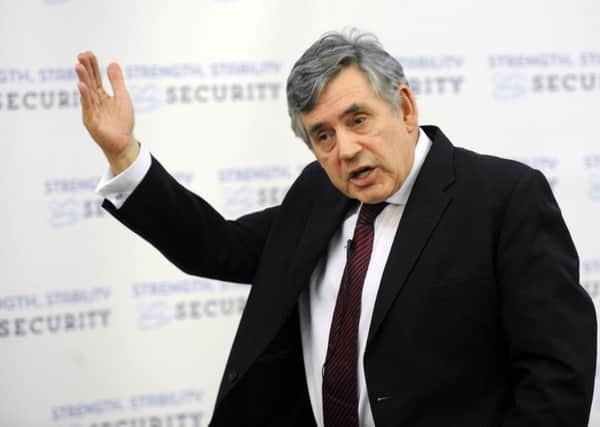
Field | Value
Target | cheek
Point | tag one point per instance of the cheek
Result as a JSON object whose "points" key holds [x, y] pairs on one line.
{"points": [[334, 171], [330, 166]]}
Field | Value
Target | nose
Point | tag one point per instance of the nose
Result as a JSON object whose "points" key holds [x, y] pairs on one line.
{"points": [[348, 145]]}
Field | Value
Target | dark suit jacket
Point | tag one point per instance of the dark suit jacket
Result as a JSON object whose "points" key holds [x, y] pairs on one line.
{"points": [[479, 320]]}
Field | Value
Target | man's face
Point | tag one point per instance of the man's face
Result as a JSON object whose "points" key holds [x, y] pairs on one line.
{"points": [[366, 147]]}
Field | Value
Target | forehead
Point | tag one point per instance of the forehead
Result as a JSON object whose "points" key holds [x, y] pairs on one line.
{"points": [[350, 87]]}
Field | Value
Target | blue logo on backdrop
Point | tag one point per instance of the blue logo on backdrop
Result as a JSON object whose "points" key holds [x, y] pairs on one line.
{"points": [[594, 187], [238, 199], [146, 97], [64, 212], [154, 315], [591, 164], [510, 86], [590, 276], [591, 161], [590, 266]]}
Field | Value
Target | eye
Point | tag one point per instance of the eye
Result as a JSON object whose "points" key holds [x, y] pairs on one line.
{"points": [[323, 136], [325, 139], [359, 120]]}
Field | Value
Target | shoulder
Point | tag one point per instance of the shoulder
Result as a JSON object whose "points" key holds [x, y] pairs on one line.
{"points": [[488, 169], [311, 179], [500, 176], [492, 173], [481, 177], [465, 162]]}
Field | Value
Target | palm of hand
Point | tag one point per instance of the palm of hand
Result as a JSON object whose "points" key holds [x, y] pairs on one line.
{"points": [[108, 119]]}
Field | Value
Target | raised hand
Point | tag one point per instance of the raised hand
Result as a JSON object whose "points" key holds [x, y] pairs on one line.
{"points": [[108, 119]]}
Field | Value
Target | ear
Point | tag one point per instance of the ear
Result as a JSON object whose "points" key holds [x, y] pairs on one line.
{"points": [[408, 108]]}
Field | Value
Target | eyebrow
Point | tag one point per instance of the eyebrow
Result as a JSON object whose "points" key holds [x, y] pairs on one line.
{"points": [[353, 108]]}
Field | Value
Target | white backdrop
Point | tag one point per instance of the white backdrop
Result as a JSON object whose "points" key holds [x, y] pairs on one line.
{"points": [[96, 328]]}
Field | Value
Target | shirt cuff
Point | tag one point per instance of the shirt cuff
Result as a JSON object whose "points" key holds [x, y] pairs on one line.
{"points": [[116, 189]]}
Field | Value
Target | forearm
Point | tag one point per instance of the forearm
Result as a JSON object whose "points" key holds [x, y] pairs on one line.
{"points": [[189, 232]]}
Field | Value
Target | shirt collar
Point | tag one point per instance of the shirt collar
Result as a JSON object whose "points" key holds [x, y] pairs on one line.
{"points": [[400, 197]]}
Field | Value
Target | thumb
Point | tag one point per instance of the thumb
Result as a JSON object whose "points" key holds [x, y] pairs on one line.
{"points": [[115, 76]]}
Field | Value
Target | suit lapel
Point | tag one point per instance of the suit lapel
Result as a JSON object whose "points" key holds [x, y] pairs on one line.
{"points": [[324, 220], [428, 200], [262, 322]]}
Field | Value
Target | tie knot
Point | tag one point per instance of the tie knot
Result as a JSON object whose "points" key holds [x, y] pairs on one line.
{"points": [[368, 213]]}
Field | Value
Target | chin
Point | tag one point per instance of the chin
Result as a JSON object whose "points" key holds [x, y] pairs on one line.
{"points": [[371, 198], [371, 195]]}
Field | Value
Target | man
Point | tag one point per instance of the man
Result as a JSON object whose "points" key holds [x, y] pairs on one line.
{"points": [[454, 303]]}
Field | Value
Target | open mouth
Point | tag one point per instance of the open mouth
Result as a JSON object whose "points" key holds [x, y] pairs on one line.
{"points": [[360, 173]]}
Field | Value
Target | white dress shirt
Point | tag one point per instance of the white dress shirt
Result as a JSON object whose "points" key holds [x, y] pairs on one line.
{"points": [[118, 188], [317, 302]]}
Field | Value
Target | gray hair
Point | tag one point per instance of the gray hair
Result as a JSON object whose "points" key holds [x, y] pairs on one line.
{"points": [[324, 60]]}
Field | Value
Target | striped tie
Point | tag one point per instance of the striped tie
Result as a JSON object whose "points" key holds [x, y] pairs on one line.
{"points": [[340, 372]]}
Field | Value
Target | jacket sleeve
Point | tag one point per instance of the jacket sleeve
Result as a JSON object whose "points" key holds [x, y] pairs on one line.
{"points": [[190, 233], [548, 318]]}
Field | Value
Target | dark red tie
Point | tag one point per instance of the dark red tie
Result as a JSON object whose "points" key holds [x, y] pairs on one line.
{"points": [[340, 372]]}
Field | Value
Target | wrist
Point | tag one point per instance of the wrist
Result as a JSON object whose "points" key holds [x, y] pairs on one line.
{"points": [[122, 160]]}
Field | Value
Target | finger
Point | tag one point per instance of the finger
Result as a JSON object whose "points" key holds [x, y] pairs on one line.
{"points": [[82, 74], [85, 81], [96, 70], [85, 59], [117, 82], [84, 95]]}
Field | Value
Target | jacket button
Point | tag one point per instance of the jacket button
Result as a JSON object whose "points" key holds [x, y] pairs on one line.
{"points": [[232, 376]]}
